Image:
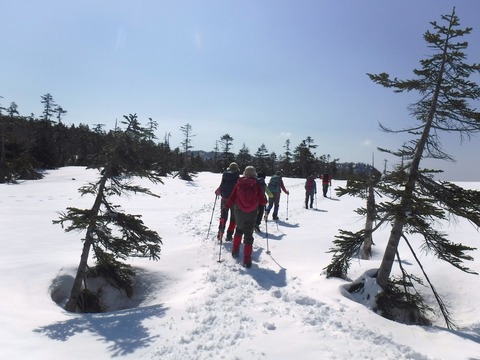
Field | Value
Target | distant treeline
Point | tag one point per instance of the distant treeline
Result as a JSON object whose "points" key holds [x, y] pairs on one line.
{"points": [[29, 144]]}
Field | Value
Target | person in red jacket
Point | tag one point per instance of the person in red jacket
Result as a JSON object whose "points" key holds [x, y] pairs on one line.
{"points": [[326, 182], [245, 198]]}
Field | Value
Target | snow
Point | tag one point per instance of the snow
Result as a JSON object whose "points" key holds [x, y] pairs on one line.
{"points": [[190, 306]]}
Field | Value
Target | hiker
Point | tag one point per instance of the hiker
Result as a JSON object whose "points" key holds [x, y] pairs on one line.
{"points": [[261, 208], [246, 196], [276, 186], [326, 182], [229, 179], [310, 190]]}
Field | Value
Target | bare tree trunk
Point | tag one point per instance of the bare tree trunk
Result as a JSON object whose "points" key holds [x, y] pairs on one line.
{"points": [[367, 242]]}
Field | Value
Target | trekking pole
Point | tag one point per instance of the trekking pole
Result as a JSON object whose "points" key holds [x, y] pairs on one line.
{"points": [[220, 252], [315, 201], [287, 205], [330, 191], [213, 210], [266, 234]]}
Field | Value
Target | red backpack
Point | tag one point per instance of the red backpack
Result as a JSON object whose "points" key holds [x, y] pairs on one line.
{"points": [[247, 194]]}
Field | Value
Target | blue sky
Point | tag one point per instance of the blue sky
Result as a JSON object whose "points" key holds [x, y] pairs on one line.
{"points": [[261, 71]]}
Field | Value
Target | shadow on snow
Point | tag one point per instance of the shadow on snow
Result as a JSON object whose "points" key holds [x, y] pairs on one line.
{"points": [[123, 329]]}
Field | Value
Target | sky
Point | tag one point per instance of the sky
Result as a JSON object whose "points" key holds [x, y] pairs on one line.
{"points": [[261, 71], [190, 306]]}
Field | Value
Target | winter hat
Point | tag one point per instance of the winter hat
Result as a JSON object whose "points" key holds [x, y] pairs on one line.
{"points": [[233, 166], [250, 172], [279, 173]]}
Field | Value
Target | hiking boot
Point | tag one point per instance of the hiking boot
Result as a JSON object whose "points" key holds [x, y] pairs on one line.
{"points": [[229, 236], [237, 239], [247, 255]]}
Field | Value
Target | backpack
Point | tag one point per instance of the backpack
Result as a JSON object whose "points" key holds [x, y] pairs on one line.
{"points": [[229, 179], [247, 194], [261, 182], [274, 184]]}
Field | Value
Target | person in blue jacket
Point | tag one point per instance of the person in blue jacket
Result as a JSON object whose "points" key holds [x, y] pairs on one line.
{"points": [[276, 186]]}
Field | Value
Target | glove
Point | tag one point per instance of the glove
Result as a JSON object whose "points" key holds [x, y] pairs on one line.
{"points": [[217, 192], [271, 196], [288, 192]]}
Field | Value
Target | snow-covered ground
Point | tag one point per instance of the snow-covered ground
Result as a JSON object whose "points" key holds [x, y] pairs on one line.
{"points": [[191, 306]]}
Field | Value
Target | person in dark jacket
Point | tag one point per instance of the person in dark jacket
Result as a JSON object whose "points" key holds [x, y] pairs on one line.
{"points": [[229, 179], [310, 190], [246, 196]]}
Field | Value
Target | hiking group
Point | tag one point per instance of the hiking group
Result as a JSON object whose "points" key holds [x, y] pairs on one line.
{"points": [[244, 204]]}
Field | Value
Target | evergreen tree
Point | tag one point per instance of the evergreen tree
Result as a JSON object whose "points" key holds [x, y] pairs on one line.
{"points": [[217, 159], [112, 234], [60, 113], [151, 128], [164, 163], [350, 244], [186, 145], [272, 161], [417, 201], [286, 159], [244, 158], [187, 141], [45, 147], [261, 159], [3, 165], [49, 107], [445, 89], [304, 158], [226, 142]]}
